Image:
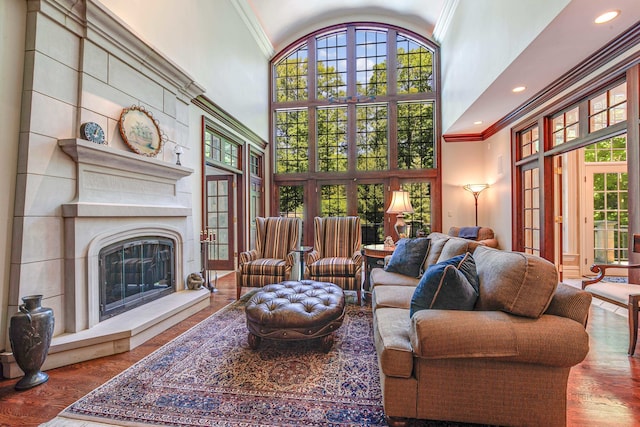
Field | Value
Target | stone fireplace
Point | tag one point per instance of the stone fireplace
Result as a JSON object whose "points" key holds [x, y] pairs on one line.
{"points": [[120, 197], [76, 198]]}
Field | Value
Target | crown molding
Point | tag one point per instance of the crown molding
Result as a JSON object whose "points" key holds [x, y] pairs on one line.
{"points": [[254, 26], [444, 20], [463, 137]]}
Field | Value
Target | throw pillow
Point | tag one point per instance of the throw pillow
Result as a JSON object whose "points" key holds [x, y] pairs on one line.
{"points": [[444, 286], [408, 257], [468, 267]]}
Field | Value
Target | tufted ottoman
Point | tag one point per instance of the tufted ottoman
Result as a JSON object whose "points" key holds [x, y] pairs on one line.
{"points": [[295, 311]]}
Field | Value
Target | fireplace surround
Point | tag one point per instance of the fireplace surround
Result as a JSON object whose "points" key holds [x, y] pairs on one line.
{"points": [[75, 197]]}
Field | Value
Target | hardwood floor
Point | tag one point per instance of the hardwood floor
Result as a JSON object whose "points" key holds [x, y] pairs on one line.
{"points": [[604, 390]]}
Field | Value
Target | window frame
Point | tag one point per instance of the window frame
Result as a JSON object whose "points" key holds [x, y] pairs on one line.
{"points": [[392, 174]]}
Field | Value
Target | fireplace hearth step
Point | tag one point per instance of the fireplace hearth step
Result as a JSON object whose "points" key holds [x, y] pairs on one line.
{"points": [[117, 334]]}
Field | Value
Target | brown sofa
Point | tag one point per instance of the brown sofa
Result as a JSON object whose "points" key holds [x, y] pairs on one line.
{"points": [[504, 363]]}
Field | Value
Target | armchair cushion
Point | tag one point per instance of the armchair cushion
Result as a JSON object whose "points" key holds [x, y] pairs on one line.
{"points": [[408, 257], [333, 266], [264, 266]]}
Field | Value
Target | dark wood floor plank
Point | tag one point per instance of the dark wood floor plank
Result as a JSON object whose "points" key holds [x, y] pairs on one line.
{"points": [[604, 390]]}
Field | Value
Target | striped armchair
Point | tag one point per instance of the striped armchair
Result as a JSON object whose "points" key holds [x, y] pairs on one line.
{"points": [[273, 258], [336, 255]]}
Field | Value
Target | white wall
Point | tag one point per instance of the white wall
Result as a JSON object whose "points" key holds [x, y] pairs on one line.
{"points": [[212, 43], [482, 39], [12, 39]]}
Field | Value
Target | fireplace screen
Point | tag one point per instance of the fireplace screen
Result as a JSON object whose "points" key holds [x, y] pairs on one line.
{"points": [[134, 272]]}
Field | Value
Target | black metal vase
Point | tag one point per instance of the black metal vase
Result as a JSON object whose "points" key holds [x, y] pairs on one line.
{"points": [[30, 332]]}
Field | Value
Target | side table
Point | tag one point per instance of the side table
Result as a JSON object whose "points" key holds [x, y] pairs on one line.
{"points": [[302, 250], [374, 257]]}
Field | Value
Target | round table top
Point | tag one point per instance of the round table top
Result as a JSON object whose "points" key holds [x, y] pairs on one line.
{"points": [[378, 249]]}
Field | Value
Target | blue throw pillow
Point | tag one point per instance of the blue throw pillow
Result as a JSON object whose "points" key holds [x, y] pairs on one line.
{"points": [[467, 266], [444, 286], [408, 257]]}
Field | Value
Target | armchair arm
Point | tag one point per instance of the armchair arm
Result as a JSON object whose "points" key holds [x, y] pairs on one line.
{"points": [[290, 259], [247, 256], [357, 257], [311, 257], [492, 243], [548, 340]]}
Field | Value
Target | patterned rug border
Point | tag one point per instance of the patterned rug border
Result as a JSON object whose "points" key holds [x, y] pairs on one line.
{"points": [[340, 410]]}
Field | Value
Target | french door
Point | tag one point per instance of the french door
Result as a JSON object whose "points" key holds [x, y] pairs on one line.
{"points": [[219, 222], [607, 220]]}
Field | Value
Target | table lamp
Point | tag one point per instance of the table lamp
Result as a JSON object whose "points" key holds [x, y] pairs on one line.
{"points": [[400, 204]]}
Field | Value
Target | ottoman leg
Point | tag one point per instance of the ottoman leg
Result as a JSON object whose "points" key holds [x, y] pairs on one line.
{"points": [[326, 343], [254, 341]]}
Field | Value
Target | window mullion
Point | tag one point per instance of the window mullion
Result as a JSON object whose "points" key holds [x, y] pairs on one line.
{"points": [[351, 61]]}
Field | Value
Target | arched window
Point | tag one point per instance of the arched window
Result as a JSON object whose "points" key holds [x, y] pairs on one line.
{"points": [[354, 118]]}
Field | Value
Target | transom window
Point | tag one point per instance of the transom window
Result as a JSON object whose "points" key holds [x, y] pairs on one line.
{"points": [[529, 142], [220, 150], [565, 126], [349, 120], [608, 108]]}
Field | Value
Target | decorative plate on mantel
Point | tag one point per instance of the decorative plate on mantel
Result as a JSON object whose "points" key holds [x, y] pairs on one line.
{"points": [[140, 131]]}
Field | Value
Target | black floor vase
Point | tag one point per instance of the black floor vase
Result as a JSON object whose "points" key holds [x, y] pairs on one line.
{"points": [[30, 332]]}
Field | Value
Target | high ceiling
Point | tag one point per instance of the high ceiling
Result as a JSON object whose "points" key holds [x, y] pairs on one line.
{"points": [[284, 21], [567, 40]]}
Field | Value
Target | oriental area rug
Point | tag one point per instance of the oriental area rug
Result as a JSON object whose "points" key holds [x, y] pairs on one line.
{"points": [[209, 376]]}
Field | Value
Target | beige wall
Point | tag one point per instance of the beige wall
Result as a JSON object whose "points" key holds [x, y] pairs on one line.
{"points": [[212, 43], [12, 40]]}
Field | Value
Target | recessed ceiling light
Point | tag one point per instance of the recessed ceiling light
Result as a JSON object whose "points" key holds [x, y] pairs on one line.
{"points": [[518, 89], [607, 16], [478, 122]]}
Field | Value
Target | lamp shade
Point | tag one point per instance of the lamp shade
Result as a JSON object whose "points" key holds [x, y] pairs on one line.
{"points": [[400, 203], [476, 188]]}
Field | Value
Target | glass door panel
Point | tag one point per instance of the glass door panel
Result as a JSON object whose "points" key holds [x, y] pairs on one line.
{"points": [[219, 223]]}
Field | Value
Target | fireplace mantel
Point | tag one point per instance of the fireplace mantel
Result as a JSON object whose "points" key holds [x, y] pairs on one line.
{"points": [[86, 152], [117, 183]]}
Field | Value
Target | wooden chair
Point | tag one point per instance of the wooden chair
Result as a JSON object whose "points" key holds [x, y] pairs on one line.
{"points": [[336, 255], [272, 260], [621, 294]]}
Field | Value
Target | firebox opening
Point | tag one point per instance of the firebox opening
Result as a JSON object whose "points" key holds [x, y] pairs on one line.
{"points": [[134, 272]]}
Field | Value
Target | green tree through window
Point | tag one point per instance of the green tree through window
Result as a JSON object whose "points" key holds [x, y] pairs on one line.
{"points": [[341, 116]]}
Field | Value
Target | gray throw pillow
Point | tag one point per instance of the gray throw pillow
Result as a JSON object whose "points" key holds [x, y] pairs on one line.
{"points": [[445, 286], [408, 257]]}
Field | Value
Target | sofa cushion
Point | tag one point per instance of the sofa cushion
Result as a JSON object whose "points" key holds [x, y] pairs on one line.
{"points": [[438, 241], [454, 334], [391, 328], [408, 257], [380, 277], [392, 296], [444, 287], [514, 282], [456, 246]]}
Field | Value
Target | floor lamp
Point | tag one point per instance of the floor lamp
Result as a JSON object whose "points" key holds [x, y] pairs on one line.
{"points": [[400, 204], [476, 189]]}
